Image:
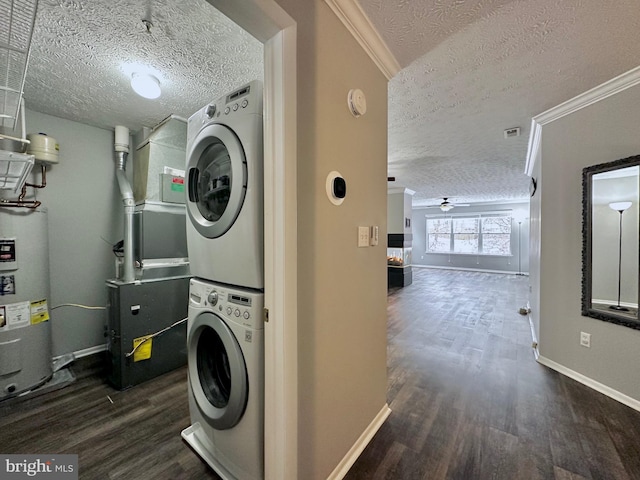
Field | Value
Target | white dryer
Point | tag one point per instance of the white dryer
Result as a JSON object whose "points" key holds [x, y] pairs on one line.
{"points": [[224, 183], [226, 379]]}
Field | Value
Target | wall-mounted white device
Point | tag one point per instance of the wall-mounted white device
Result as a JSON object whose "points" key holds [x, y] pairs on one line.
{"points": [[357, 102], [336, 188]]}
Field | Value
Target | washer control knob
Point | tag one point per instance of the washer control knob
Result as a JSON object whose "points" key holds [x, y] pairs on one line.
{"points": [[210, 111], [235, 107], [227, 110], [246, 315], [244, 103], [237, 313], [229, 310], [213, 298]]}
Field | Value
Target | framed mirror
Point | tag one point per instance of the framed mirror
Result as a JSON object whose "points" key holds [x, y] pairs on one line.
{"points": [[611, 241]]}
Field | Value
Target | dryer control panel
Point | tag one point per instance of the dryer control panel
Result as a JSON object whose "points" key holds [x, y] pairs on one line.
{"points": [[240, 306], [246, 100]]}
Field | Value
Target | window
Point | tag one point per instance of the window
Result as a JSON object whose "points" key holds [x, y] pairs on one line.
{"points": [[466, 233], [439, 235], [496, 235], [478, 234]]}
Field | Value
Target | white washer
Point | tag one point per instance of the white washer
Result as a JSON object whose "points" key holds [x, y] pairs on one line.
{"points": [[224, 182], [226, 379]]}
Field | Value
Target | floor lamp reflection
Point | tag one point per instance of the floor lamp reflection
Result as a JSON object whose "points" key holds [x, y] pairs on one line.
{"points": [[619, 207], [519, 217]]}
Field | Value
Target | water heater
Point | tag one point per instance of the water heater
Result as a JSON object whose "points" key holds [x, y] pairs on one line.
{"points": [[25, 329]]}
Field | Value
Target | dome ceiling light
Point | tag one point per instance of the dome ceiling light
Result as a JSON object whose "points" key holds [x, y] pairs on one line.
{"points": [[145, 85]]}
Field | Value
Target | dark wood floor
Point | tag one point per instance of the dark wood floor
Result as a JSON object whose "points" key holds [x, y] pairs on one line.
{"points": [[468, 399], [135, 437]]}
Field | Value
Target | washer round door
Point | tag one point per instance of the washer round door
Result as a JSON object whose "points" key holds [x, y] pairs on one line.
{"points": [[217, 371], [216, 180]]}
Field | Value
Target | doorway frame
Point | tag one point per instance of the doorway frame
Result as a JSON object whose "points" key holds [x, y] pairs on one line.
{"points": [[271, 25]]}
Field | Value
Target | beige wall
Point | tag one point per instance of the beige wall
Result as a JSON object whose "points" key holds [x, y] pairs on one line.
{"points": [[342, 288], [605, 131]]}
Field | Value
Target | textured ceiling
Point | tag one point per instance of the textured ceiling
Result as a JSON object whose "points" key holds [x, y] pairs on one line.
{"points": [[471, 69], [83, 53]]}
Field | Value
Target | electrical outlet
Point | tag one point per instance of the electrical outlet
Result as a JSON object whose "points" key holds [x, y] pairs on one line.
{"points": [[585, 339]]}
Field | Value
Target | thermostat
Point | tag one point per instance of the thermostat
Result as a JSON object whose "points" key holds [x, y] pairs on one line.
{"points": [[336, 188]]}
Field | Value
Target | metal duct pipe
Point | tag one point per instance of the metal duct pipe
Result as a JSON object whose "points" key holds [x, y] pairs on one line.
{"points": [[122, 150]]}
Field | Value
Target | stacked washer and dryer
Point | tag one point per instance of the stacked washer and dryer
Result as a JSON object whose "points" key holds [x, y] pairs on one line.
{"points": [[225, 340]]}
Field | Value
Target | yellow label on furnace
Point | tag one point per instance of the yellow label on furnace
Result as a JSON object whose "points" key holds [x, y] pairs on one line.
{"points": [[142, 352]]}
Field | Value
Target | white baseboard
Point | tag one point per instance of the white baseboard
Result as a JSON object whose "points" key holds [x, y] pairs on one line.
{"points": [[469, 269], [613, 302], [534, 336], [354, 452], [85, 352], [589, 382], [534, 340]]}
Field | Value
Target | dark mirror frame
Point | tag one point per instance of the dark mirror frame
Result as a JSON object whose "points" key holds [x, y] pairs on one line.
{"points": [[587, 308]]}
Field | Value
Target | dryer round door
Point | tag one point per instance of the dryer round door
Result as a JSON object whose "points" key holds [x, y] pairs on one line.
{"points": [[216, 180], [217, 371]]}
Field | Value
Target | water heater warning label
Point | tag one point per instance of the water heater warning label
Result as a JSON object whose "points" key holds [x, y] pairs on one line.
{"points": [[16, 315], [7, 250], [23, 314], [7, 285], [8, 254], [39, 312]]}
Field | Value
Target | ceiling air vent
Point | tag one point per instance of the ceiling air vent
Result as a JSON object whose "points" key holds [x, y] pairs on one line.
{"points": [[512, 132]]}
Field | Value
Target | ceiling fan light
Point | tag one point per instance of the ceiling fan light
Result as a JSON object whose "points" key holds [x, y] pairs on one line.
{"points": [[145, 85], [445, 208]]}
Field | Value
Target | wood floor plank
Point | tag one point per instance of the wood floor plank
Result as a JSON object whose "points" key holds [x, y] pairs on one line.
{"points": [[387, 468], [562, 474]]}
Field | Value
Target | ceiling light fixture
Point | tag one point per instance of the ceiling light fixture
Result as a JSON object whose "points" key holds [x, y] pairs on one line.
{"points": [[145, 85], [446, 207]]}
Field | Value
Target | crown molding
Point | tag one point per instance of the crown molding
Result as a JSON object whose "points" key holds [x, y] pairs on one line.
{"points": [[357, 22], [601, 92], [533, 149]]}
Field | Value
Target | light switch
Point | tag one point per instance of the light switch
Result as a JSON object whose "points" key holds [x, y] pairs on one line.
{"points": [[363, 236], [374, 235]]}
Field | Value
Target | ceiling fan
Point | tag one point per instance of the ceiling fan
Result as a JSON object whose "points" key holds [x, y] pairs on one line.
{"points": [[446, 205]]}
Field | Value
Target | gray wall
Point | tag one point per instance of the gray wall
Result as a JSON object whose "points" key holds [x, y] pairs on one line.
{"points": [[82, 198], [473, 262], [399, 210], [604, 131]]}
